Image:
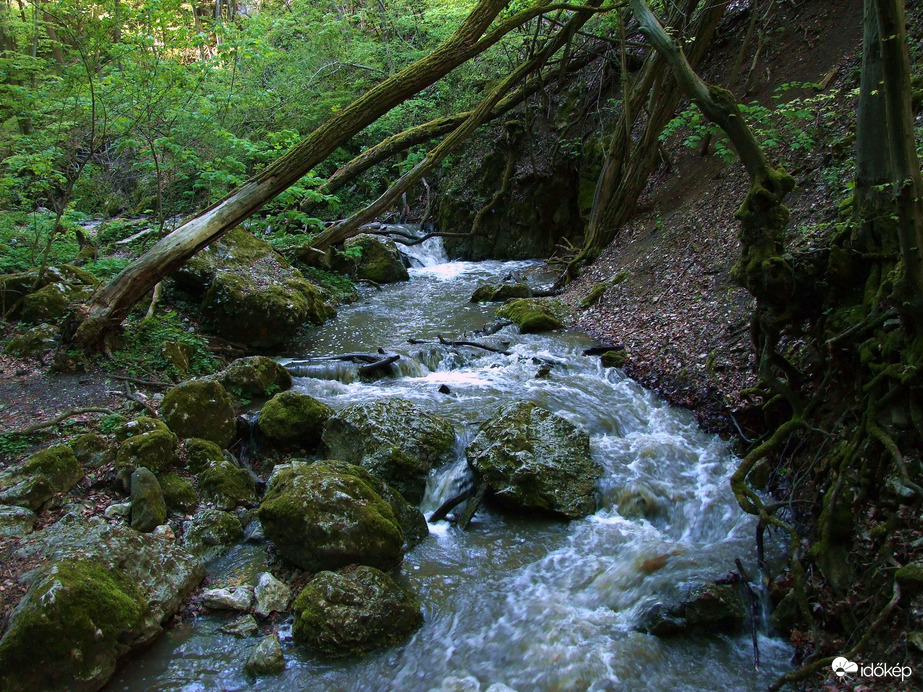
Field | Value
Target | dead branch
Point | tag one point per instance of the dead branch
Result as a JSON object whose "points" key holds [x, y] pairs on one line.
{"points": [[64, 416]]}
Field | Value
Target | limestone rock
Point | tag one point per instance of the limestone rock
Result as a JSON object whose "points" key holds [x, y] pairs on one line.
{"points": [[93, 450], [200, 409], [229, 598], [178, 493], [266, 658], [244, 626], [148, 509], [200, 454], [271, 595], [395, 440], [354, 611], [380, 260], [532, 459], [210, 532], [15, 522], [43, 475], [711, 606], [33, 342], [227, 485], [256, 377], [118, 510], [152, 450], [328, 514], [294, 419]]}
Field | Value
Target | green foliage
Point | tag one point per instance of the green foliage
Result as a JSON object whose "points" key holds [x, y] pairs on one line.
{"points": [[13, 444], [111, 422], [141, 352], [336, 288], [24, 236]]}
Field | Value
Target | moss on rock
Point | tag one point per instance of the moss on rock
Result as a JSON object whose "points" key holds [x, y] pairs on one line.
{"points": [[256, 377], [498, 293], [614, 358], [148, 509], [200, 454], [139, 426], [227, 486], [152, 450], [33, 342], [328, 514], [43, 475], [210, 532], [200, 409], [294, 419], [534, 315], [178, 493], [93, 450], [379, 261], [70, 628], [353, 611]]}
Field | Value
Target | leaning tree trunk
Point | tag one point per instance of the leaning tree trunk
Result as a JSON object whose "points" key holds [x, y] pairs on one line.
{"points": [[114, 302], [353, 225]]}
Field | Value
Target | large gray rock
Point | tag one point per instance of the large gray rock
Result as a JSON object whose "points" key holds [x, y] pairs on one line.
{"points": [[227, 486], [200, 409], [379, 259], [148, 508], [15, 522], [103, 591], [355, 610], [328, 514], [395, 440], [532, 459], [251, 293], [43, 475]]}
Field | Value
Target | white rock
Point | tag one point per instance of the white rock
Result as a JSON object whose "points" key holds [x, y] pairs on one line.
{"points": [[120, 510], [165, 531], [229, 598], [271, 595]]}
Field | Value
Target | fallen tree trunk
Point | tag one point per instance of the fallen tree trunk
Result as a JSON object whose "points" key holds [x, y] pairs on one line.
{"points": [[352, 226], [114, 302]]}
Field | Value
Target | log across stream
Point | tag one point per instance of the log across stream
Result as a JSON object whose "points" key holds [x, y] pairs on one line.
{"points": [[534, 604]]}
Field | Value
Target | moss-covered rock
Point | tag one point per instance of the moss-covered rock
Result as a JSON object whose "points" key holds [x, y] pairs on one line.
{"points": [[210, 532], [910, 577], [328, 514], [33, 342], [102, 590], [178, 354], [534, 315], [293, 419], [151, 450], [498, 293], [256, 377], [51, 302], [251, 293], [148, 509], [227, 485], [200, 409], [139, 426], [93, 450], [266, 658], [395, 440], [379, 260], [43, 475], [178, 493], [532, 459], [614, 359], [353, 611], [15, 521], [200, 454]]}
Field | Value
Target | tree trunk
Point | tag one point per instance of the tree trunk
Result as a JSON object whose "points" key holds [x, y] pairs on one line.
{"points": [[114, 302], [352, 226]]}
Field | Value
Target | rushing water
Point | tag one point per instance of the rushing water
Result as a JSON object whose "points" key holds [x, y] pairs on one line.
{"points": [[534, 604]]}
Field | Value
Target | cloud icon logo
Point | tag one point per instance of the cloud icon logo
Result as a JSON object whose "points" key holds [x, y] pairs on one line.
{"points": [[843, 666]]}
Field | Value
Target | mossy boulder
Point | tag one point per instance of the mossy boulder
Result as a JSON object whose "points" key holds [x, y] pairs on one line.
{"points": [[614, 359], [15, 521], [200, 409], [329, 514], [250, 292], [293, 419], [395, 440], [52, 302], [33, 342], [178, 493], [139, 426], [93, 450], [227, 485], [151, 450], [178, 354], [534, 315], [266, 658], [210, 532], [910, 577], [534, 460], [499, 293], [353, 611], [148, 508], [200, 454], [102, 590], [43, 475], [256, 377], [379, 260], [709, 607]]}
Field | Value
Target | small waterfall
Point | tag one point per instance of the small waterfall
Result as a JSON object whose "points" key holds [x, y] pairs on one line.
{"points": [[429, 253]]}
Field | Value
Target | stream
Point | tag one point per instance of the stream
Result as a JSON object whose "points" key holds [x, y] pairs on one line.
{"points": [[535, 604]]}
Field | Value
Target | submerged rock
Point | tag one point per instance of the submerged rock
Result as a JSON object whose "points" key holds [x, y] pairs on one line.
{"points": [[715, 607], [353, 611], [43, 475], [328, 514], [499, 293], [200, 409], [148, 509], [395, 440], [266, 658], [534, 315], [533, 459], [294, 419], [104, 591], [380, 260]]}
